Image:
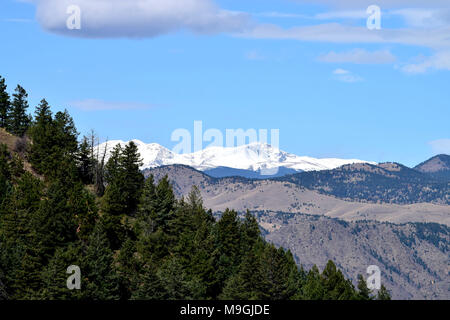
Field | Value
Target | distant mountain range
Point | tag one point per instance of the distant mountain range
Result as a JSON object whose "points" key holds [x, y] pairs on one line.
{"points": [[256, 160], [385, 182]]}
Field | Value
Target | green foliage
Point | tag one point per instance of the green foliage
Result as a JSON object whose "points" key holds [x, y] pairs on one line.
{"points": [[363, 291], [125, 181], [18, 119], [335, 285], [100, 278], [383, 293], [5, 104], [86, 162], [54, 148]]}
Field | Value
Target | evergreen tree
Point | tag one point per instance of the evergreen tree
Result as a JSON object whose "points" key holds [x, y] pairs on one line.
{"points": [[227, 248], [313, 288], [43, 135], [165, 204], [250, 232], [5, 105], [363, 291], [146, 217], [54, 275], [101, 281], [125, 181], [249, 282], [176, 284], [280, 272], [66, 135], [18, 246], [335, 285], [202, 264], [132, 177], [86, 162], [383, 293], [148, 285], [19, 121], [54, 147]]}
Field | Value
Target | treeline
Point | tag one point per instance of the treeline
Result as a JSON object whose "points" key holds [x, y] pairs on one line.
{"points": [[62, 205]]}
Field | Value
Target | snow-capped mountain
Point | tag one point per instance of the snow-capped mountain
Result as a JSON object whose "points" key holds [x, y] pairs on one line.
{"points": [[258, 157]]}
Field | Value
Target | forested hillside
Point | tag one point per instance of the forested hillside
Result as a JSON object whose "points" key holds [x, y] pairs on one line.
{"points": [[383, 183], [62, 205]]}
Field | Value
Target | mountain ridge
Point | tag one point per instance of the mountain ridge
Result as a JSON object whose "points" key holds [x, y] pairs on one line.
{"points": [[256, 157]]}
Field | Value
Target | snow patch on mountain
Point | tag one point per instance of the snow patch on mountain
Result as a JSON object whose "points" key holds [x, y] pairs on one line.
{"points": [[254, 156]]}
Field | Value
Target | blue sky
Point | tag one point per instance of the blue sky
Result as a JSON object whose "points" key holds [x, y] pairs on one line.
{"points": [[309, 68]]}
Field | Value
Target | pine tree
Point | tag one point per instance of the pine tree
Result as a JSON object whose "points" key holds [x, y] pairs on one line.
{"points": [[249, 283], [250, 232], [82, 206], [146, 222], [86, 162], [22, 261], [54, 148], [280, 273], [54, 276], [313, 288], [133, 179], [227, 248], [363, 291], [66, 135], [19, 121], [5, 105], [383, 293], [335, 285], [43, 135], [125, 181], [165, 204], [176, 284], [101, 281], [148, 285], [202, 261]]}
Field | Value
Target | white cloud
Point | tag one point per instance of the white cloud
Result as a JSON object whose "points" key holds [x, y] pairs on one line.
{"points": [[341, 71], [100, 105], [381, 3], [424, 18], [348, 14], [438, 61], [359, 56], [440, 146], [275, 14], [151, 18], [138, 18], [346, 76], [339, 33]]}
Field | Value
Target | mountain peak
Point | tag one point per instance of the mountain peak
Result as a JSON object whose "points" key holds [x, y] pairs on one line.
{"points": [[435, 164], [255, 156]]}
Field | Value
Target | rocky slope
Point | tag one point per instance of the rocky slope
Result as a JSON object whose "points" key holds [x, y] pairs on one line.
{"points": [[413, 258]]}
